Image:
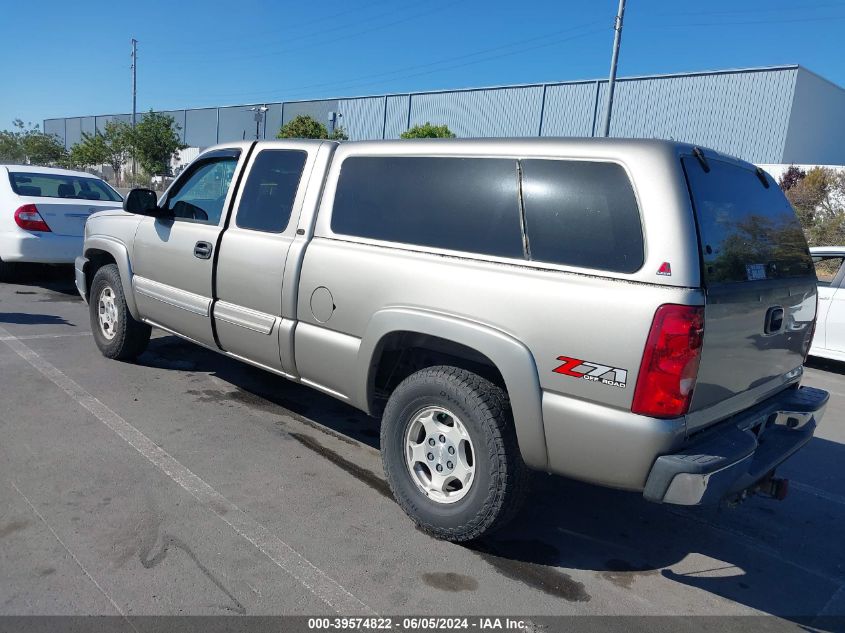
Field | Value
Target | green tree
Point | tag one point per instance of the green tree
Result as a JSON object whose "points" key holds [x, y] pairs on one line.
{"points": [[427, 130], [11, 150], [304, 126], [819, 201], [339, 134], [89, 151], [26, 143], [112, 147], [154, 142]]}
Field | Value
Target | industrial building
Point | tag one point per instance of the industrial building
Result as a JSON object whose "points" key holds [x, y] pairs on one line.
{"points": [[773, 115]]}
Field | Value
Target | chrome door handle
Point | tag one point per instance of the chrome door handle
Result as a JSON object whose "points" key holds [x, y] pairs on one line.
{"points": [[202, 250]]}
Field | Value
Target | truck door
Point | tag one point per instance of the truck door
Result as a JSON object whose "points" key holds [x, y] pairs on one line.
{"points": [[249, 310], [831, 302], [174, 257]]}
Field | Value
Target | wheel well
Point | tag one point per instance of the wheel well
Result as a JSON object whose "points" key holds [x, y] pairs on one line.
{"points": [[400, 354], [96, 260]]}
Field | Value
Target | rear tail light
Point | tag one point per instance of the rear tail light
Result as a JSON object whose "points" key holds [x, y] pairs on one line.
{"points": [[670, 362], [28, 218]]}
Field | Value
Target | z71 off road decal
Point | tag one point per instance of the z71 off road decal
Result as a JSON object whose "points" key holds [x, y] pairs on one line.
{"points": [[594, 372]]}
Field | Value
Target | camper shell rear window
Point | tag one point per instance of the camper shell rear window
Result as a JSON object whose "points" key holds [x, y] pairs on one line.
{"points": [[747, 229]]}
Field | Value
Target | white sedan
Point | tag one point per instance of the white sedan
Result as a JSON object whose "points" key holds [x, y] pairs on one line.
{"points": [[43, 212], [829, 341]]}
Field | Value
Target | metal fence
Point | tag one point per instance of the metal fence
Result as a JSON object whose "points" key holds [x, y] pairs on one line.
{"points": [[748, 113]]}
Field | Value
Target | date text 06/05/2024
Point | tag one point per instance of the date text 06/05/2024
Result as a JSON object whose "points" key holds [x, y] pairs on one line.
{"points": [[416, 623]]}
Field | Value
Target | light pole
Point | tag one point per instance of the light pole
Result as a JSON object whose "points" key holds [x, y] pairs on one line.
{"points": [[134, 90], [259, 116], [134, 76], [611, 83]]}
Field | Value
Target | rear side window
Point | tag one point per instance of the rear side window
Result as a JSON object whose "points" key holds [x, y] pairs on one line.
{"points": [[748, 231], [582, 214], [270, 189], [827, 268], [61, 186], [463, 204]]}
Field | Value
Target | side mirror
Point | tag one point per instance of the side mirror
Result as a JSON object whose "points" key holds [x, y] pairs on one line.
{"points": [[142, 202]]}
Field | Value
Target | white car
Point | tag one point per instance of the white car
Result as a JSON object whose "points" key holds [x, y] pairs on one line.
{"points": [[829, 341], [43, 212]]}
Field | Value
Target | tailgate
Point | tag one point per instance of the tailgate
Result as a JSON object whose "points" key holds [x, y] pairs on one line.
{"points": [[759, 283]]}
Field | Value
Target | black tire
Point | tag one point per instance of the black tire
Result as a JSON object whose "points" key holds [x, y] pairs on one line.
{"points": [[7, 271], [501, 477], [130, 337]]}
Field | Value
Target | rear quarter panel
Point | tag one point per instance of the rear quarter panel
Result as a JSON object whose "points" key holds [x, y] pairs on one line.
{"points": [[554, 314]]}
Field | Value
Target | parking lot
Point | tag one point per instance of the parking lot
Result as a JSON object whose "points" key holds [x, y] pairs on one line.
{"points": [[189, 483]]}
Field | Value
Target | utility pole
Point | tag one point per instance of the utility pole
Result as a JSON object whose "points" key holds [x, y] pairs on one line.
{"points": [[134, 91], [134, 77], [611, 83]]}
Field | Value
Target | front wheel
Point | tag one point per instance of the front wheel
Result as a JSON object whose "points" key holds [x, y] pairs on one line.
{"points": [[450, 453], [116, 332]]}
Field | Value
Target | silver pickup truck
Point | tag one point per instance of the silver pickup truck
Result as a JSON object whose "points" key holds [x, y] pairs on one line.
{"points": [[630, 313]]}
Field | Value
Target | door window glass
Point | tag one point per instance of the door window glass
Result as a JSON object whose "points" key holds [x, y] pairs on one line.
{"points": [[200, 197]]}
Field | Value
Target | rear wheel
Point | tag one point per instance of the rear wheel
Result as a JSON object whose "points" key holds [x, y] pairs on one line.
{"points": [[450, 453], [116, 332]]}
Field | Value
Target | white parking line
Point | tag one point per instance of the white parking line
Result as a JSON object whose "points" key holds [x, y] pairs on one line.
{"points": [[836, 599], [753, 544], [818, 492], [287, 558], [72, 555], [29, 337]]}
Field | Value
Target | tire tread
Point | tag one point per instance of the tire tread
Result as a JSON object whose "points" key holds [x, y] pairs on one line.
{"points": [[133, 336], [508, 484]]}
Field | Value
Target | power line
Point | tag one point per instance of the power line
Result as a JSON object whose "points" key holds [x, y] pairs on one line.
{"points": [[354, 81], [388, 77], [205, 60], [255, 35], [748, 22], [478, 61], [804, 7]]}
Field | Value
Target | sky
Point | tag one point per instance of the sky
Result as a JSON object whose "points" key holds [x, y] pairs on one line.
{"points": [[72, 59]]}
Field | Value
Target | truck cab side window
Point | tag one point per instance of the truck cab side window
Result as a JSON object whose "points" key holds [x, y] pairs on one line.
{"points": [[200, 197], [270, 189], [460, 204], [580, 213]]}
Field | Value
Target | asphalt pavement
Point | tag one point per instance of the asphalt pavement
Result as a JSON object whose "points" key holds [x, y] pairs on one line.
{"points": [[188, 483]]}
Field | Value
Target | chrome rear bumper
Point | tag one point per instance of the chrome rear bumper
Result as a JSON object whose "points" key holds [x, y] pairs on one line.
{"points": [[738, 453]]}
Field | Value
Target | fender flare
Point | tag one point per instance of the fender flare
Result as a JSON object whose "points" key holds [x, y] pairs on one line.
{"points": [[511, 357], [120, 254]]}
